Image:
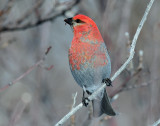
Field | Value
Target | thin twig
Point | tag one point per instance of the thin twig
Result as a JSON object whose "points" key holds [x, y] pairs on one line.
{"points": [[138, 85], [130, 67], [72, 119], [127, 88], [140, 66], [6, 8], [124, 84], [118, 71], [20, 107], [29, 12], [27, 72], [74, 100], [156, 123]]}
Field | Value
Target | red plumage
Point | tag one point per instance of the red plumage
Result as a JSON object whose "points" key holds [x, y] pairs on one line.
{"points": [[89, 60]]}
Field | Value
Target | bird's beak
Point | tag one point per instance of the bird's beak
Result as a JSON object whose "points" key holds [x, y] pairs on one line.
{"points": [[69, 21]]}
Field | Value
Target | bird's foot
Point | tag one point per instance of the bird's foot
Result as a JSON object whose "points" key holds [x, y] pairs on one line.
{"points": [[107, 81], [85, 101], [89, 93]]}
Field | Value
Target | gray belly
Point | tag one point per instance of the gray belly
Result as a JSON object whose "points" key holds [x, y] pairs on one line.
{"points": [[90, 77]]}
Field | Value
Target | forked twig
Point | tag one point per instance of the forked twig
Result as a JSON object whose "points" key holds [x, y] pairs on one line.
{"points": [[28, 71]]}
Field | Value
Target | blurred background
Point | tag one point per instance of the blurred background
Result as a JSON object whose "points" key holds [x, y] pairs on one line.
{"points": [[44, 96]]}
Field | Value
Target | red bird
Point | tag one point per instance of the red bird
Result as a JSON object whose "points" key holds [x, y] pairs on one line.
{"points": [[89, 61]]}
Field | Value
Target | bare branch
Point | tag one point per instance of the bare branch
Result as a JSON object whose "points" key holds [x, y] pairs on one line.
{"points": [[29, 12], [74, 99], [6, 9], [138, 85], [123, 85], [72, 119], [140, 66], [156, 123], [41, 21], [48, 49], [130, 67], [119, 70], [20, 107], [27, 72]]}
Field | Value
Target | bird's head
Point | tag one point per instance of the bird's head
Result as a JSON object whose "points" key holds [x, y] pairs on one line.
{"points": [[81, 23], [84, 28]]}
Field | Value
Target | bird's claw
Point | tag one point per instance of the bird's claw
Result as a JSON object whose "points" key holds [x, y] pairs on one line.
{"points": [[85, 101], [89, 93], [107, 81]]}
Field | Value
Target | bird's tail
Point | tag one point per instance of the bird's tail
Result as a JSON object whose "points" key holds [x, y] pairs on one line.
{"points": [[102, 106]]}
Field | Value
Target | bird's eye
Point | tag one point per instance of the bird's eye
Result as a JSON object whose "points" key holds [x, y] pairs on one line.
{"points": [[78, 21]]}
